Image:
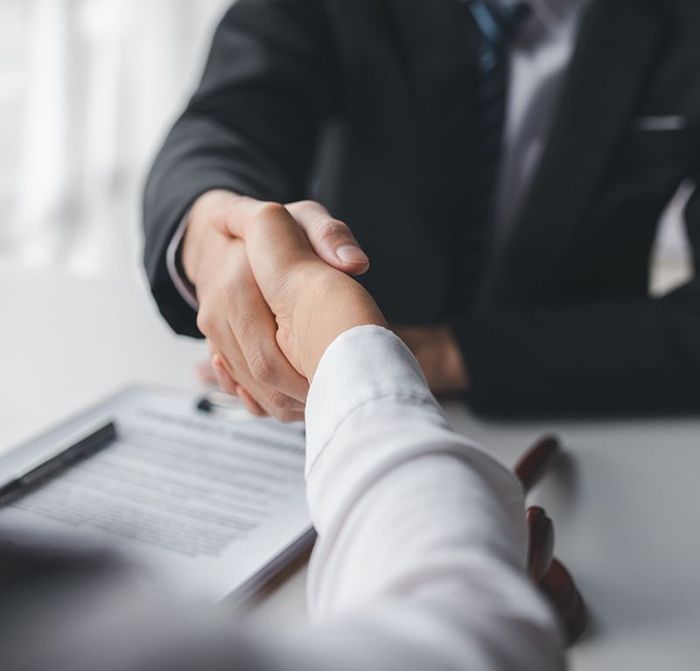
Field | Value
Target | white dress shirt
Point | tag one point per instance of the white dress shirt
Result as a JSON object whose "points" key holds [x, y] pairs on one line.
{"points": [[419, 563], [421, 545], [538, 62]]}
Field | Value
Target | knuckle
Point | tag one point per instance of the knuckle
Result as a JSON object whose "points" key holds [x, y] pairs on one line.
{"points": [[269, 210], [332, 229], [261, 369], [205, 321], [282, 402]]}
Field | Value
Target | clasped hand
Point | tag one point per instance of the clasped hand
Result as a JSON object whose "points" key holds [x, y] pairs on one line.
{"points": [[270, 302], [274, 286]]}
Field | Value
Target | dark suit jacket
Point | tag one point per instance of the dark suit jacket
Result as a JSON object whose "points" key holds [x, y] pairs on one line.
{"points": [[376, 94]]}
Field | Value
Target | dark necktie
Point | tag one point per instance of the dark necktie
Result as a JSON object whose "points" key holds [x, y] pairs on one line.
{"points": [[496, 28]]}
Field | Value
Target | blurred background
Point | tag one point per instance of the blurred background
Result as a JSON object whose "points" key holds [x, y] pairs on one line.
{"points": [[87, 90]]}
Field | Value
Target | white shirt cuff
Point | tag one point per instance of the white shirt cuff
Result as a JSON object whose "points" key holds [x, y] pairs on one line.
{"points": [[346, 380], [181, 284]]}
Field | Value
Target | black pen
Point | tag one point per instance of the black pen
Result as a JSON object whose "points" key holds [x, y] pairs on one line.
{"points": [[83, 448]]}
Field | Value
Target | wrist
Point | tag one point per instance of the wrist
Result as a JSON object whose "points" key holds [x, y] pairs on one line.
{"points": [[327, 304]]}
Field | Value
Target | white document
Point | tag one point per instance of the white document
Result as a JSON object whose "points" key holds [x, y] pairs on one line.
{"points": [[208, 502]]}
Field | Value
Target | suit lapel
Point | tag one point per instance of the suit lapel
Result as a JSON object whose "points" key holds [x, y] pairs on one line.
{"points": [[616, 48]]}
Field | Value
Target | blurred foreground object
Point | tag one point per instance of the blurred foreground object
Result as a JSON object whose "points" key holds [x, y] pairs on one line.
{"points": [[549, 573]]}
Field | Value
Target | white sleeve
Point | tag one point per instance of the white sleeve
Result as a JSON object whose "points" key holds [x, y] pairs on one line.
{"points": [[421, 535]]}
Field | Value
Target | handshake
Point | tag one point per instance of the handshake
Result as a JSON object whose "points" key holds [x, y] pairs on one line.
{"points": [[274, 286]]}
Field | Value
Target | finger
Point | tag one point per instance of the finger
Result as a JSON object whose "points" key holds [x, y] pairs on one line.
{"points": [[205, 373], [230, 386], [286, 416], [227, 360], [251, 405], [255, 330], [275, 406], [223, 378], [234, 375], [330, 238], [271, 401]]}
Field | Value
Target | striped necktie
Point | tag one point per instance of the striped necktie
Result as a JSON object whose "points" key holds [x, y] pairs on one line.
{"points": [[496, 28]]}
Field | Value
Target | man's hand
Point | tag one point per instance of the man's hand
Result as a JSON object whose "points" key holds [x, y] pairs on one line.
{"points": [[439, 356], [233, 314], [311, 301]]}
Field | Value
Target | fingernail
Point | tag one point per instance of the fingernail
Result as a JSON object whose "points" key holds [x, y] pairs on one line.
{"points": [[351, 254]]}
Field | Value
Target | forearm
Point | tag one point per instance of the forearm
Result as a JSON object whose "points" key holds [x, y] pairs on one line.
{"points": [[418, 530], [608, 358]]}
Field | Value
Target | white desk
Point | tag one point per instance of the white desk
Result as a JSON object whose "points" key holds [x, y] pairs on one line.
{"points": [[626, 505]]}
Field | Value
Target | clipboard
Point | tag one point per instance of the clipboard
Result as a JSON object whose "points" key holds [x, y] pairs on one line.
{"points": [[209, 500]]}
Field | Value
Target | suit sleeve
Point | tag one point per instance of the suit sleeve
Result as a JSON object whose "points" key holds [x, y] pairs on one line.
{"points": [[626, 357], [251, 126]]}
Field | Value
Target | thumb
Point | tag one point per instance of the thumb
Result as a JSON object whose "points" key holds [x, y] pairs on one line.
{"points": [[331, 239]]}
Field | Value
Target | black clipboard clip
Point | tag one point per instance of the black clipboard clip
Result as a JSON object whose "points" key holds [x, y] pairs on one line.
{"points": [[218, 404]]}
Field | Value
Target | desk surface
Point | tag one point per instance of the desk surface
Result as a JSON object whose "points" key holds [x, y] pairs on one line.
{"points": [[625, 502]]}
